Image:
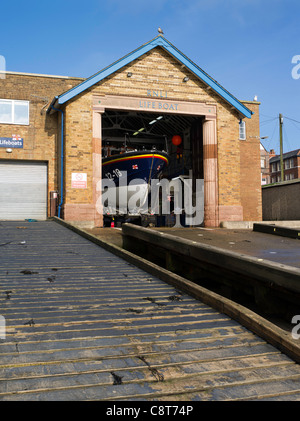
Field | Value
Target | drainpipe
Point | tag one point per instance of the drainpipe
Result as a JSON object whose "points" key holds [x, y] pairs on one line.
{"points": [[61, 160]]}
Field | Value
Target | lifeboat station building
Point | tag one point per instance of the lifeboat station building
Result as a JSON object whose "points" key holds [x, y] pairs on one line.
{"points": [[54, 129]]}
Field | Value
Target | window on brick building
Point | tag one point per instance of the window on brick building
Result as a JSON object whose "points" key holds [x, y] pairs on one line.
{"points": [[242, 130], [14, 112]]}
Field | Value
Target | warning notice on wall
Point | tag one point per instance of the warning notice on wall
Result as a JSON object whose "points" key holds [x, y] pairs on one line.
{"points": [[79, 180]]}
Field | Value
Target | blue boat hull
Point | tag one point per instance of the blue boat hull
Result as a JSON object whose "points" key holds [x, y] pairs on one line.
{"points": [[136, 166], [135, 169]]}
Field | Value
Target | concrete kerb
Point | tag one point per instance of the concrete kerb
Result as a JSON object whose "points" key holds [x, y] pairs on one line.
{"points": [[265, 271], [277, 230], [249, 224], [247, 318]]}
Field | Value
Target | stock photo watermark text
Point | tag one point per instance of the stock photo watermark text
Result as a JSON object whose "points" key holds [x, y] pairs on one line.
{"points": [[296, 68], [157, 197], [2, 328], [2, 67]]}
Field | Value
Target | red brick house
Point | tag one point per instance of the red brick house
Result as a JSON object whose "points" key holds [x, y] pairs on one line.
{"points": [[291, 166], [265, 157]]}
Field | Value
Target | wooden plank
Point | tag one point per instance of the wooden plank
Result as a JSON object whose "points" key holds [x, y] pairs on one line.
{"points": [[107, 330]]}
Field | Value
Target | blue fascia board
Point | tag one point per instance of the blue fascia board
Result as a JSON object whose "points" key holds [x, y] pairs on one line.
{"points": [[158, 41], [104, 73], [208, 80]]}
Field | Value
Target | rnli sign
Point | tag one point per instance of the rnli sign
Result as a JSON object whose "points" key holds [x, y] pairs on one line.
{"points": [[158, 105], [11, 142]]}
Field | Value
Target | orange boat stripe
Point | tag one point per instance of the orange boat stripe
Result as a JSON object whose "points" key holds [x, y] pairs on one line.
{"points": [[136, 157]]}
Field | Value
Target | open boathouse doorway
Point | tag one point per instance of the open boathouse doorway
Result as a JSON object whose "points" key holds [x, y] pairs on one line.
{"points": [[140, 130], [123, 130]]}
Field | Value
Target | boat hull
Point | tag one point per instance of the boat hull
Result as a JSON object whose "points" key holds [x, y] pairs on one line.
{"points": [[137, 166], [132, 172]]}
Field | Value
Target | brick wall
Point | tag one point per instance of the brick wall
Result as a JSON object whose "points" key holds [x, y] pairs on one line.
{"points": [[250, 181], [281, 202], [40, 136]]}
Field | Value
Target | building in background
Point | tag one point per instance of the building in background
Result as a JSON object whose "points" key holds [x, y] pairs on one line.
{"points": [[291, 166], [265, 157]]}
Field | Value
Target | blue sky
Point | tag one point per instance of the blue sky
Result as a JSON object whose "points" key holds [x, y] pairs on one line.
{"points": [[246, 45]]}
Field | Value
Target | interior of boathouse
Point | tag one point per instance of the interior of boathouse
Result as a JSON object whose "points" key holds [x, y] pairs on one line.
{"points": [[179, 135]]}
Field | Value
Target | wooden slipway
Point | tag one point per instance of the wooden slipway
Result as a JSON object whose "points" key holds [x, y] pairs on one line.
{"points": [[85, 324]]}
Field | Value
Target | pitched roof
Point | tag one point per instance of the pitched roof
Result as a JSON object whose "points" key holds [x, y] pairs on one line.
{"points": [[159, 41], [286, 155]]}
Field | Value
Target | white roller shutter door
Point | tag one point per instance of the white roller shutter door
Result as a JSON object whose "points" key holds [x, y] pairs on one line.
{"points": [[23, 190]]}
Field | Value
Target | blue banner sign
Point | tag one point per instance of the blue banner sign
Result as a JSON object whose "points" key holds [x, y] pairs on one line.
{"points": [[11, 142]]}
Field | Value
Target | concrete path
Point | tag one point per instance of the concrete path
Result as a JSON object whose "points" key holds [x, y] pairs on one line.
{"points": [[83, 324], [257, 244]]}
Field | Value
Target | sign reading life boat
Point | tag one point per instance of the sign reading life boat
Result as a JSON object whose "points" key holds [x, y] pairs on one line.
{"points": [[158, 105], [15, 141]]}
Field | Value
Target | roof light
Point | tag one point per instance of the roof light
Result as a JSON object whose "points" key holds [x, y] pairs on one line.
{"points": [[139, 131], [154, 121]]}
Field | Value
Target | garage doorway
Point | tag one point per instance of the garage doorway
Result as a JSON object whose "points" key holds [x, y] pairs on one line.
{"points": [[23, 190]]}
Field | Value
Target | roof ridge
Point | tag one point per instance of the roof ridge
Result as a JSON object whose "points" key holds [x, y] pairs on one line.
{"points": [[292, 153], [158, 41]]}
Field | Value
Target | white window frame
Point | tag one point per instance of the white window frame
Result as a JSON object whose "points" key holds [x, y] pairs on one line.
{"points": [[242, 130], [13, 102]]}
